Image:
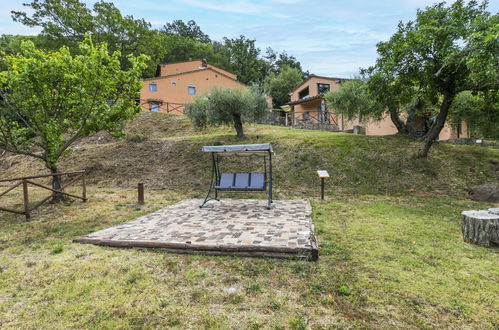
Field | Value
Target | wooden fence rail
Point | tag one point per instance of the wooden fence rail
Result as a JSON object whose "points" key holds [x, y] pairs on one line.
{"points": [[314, 117], [27, 180]]}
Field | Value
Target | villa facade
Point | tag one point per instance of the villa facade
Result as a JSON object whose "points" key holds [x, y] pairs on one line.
{"points": [[179, 83], [308, 108]]}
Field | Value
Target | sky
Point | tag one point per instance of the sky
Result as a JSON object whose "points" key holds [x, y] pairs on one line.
{"points": [[329, 37]]}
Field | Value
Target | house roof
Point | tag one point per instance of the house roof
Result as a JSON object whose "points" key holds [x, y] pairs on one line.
{"points": [[194, 71], [158, 70], [314, 76]]}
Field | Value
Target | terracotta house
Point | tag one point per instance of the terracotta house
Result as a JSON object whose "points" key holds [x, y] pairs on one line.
{"points": [[178, 83], [308, 107]]}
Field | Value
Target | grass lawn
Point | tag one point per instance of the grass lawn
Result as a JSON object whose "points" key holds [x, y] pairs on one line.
{"points": [[385, 262]]}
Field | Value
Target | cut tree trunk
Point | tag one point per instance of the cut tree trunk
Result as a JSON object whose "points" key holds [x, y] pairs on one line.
{"points": [[480, 227]]}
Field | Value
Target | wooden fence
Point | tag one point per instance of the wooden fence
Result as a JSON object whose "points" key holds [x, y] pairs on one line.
{"points": [[160, 106], [306, 118], [27, 180]]}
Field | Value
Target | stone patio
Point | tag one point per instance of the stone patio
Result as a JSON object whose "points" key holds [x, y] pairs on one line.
{"points": [[241, 227]]}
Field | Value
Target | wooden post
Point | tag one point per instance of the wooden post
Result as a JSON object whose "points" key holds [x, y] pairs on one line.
{"points": [[140, 193], [322, 188], [84, 188], [26, 200], [322, 175]]}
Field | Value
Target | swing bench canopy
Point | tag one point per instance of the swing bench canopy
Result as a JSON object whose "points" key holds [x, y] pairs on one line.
{"points": [[242, 149], [240, 181]]}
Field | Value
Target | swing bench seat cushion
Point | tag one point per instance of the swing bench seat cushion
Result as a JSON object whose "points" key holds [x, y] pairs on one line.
{"points": [[242, 182]]}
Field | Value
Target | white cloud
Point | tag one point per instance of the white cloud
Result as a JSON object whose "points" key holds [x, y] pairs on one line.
{"points": [[288, 2], [237, 6], [282, 16]]}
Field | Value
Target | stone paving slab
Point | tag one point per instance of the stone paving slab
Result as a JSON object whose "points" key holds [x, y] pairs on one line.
{"points": [[228, 227]]}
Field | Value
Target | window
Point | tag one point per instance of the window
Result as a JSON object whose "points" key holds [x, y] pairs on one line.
{"points": [[303, 94], [174, 84], [191, 90], [154, 107], [153, 87], [323, 88]]}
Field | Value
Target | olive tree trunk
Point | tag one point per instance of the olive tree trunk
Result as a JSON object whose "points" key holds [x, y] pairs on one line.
{"points": [[437, 126], [399, 124], [407, 127], [238, 125]]}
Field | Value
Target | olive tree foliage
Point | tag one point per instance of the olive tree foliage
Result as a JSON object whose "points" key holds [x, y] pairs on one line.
{"points": [[231, 106], [354, 100], [446, 50], [48, 100]]}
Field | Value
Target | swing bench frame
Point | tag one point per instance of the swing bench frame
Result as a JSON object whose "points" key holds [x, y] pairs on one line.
{"points": [[240, 182]]}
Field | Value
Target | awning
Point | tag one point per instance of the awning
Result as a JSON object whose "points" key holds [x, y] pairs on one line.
{"points": [[306, 100]]}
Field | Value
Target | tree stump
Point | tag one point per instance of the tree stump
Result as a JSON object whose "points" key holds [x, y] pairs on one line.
{"points": [[481, 227]]}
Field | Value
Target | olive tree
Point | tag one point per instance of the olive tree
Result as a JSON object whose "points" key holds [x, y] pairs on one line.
{"points": [[446, 50], [48, 100], [354, 100], [231, 106]]}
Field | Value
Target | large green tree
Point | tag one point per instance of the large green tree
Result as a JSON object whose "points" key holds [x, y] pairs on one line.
{"points": [[66, 22], [50, 99], [279, 85], [244, 59], [231, 106], [188, 30], [446, 50]]}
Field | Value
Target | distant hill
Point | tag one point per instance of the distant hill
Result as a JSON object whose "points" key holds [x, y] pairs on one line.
{"points": [[164, 152]]}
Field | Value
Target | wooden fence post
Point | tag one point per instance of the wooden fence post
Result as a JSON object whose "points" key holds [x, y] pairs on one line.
{"points": [[322, 188], [140, 193], [84, 188], [322, 175], [26, 200]]}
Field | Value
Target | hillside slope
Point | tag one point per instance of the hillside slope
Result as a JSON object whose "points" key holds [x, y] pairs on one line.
{"points": [[164, 152]]}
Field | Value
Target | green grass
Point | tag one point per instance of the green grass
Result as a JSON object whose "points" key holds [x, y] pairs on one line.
{"points": [[391, 251], [164, 152], [385, 262]]}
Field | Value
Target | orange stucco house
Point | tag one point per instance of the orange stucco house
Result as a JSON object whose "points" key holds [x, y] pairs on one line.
{"points": [[178, 83], [308, 107]]}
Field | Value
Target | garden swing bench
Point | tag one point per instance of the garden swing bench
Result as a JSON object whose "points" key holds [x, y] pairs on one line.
{"points": [[240, 182]]}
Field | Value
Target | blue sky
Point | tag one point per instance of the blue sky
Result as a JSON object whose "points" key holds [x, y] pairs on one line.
{"points": [[329, 37]]}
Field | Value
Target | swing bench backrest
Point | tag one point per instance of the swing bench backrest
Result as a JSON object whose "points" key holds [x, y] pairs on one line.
{"points": [[242, 182]]}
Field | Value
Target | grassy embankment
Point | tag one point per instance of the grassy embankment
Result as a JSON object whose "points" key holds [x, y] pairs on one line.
{"points": [[391, 253]]}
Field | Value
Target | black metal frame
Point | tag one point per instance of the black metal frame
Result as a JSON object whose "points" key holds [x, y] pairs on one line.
{"points": [[215, 180]]}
